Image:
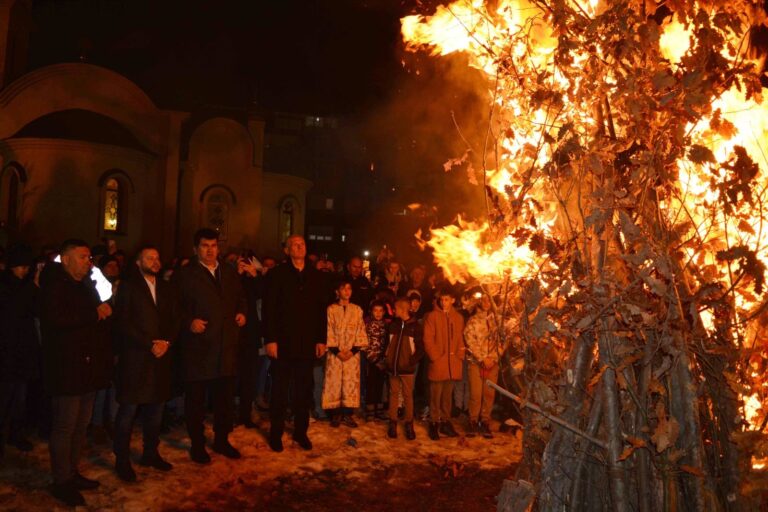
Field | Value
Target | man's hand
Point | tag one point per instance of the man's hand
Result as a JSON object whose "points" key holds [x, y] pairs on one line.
{"points": [[104, 311], [198, 325], [240, 319], [320, 349], [271, 349], [159, 348], [247, 267], [345, 355]]}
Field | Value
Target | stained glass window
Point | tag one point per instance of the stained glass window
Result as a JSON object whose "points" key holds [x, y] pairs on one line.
{"points": [[112, 205]]}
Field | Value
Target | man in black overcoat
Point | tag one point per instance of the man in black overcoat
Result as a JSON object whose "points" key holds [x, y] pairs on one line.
{"points": [[19, 344], [294, 320], [213, 308], [77, 361], [147, 326]]}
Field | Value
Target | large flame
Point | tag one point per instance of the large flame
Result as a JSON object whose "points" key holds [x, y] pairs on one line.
{"points": [[516, 36]]}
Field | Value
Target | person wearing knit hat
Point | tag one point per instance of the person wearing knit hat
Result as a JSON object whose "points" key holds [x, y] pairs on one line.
{"points": [[19, 344]]}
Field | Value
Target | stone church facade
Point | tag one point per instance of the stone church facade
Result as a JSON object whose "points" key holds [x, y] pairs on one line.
{"points": [[84, 152]]}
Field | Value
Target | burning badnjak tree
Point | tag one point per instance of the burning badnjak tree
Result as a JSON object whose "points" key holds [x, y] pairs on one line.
{"points": [[626, 183]]}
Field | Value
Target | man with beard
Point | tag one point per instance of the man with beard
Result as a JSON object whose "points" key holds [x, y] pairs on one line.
{"points": [[213, 310], [77, 361], [148, 324], [294, 332], [362, 291]]}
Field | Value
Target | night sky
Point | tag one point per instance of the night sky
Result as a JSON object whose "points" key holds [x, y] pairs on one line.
{"points": [[316, 56]]}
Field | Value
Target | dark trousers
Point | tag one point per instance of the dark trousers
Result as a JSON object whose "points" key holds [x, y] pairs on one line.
{"points": [[375, 385], [292, 382], [248, 372], [151, 418], [223, 395], [70, 417], [13, 403]]}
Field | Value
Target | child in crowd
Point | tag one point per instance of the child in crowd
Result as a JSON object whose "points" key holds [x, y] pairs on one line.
{"points": [[376, 329], [402, 358], [485, 350], [444, 344], [346, 337]]}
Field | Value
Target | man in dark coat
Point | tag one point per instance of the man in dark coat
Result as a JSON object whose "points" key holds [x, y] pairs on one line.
{"points": [[250, 340], [19, 344], [77, 361], [294, 332], [362, 289], [148, 323], [213, 308]]}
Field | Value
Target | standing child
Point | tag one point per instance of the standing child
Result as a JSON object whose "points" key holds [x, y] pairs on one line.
{"points": [[402, 358], [444, 344], [376, 329], [346, 337]]}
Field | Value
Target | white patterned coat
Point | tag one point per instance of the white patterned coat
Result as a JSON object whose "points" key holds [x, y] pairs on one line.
{"points": [[346, 331]]}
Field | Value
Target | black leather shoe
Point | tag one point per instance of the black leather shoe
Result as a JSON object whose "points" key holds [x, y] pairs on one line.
{"points": [[392, 430], [276, 444], [471, 430], [335, 423], [226, 449], [155, 461], [348, 421], [410, 434], [124, 470], [446, 428], [21, 444], [303, 442], [67, 494], [84, 484], [485, 430], [199, 454], [433, 431]]}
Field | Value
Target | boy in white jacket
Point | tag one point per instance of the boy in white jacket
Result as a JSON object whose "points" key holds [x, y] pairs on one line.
{"points": [[346, 337]]}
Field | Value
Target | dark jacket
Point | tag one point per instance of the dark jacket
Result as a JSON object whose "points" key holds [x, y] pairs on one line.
{"points": [[143, 378], [212, 353], [19, 342], [77, 347], [254, 292], [405, 348], [294, 311], [362, 292]]}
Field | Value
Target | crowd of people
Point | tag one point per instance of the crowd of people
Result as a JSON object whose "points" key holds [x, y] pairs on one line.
{"points": [[304, 339]]}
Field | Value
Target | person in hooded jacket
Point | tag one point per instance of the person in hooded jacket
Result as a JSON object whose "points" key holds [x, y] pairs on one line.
{"points": [[404, 351], [19, 344]]}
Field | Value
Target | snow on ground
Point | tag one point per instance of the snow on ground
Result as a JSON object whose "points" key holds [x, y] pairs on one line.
{"points": [[347, 467]]}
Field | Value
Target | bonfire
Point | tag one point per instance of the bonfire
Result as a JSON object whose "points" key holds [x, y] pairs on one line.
{"points": [[626, 179]]}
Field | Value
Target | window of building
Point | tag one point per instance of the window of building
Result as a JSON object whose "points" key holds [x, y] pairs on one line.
{"points": [[288, 210], [11, 179], [112, 203]]}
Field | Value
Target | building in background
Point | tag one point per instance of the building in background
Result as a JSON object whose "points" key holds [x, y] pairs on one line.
{"points": [[85, 152]]}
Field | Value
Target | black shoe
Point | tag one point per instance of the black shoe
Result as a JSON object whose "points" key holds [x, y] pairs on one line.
{"points": [[433, 431], [484, 430], [67, 494], [84, 484], [335, 421], [124, 470], [348, 421], [303, 442], [199, 454], [249, 424], [392, 430], [471, 429], [226, 449], [21, 444], [446, 428], [410, 434], [155, 461], [276, 444]]}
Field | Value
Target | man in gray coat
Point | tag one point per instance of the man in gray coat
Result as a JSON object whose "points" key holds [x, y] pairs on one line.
{"points": [[213, 310]]}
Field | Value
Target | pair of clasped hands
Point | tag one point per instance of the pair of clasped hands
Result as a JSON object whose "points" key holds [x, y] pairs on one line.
{"points": [[271, 349]]}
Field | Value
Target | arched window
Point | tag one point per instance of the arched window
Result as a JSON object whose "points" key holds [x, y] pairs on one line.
{"points": [[12, 178], [115, 188], [112, 205], [217, 202], [288, 211]]}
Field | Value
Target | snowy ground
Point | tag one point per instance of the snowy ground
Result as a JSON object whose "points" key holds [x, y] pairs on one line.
{"points": [[349, 469]]}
